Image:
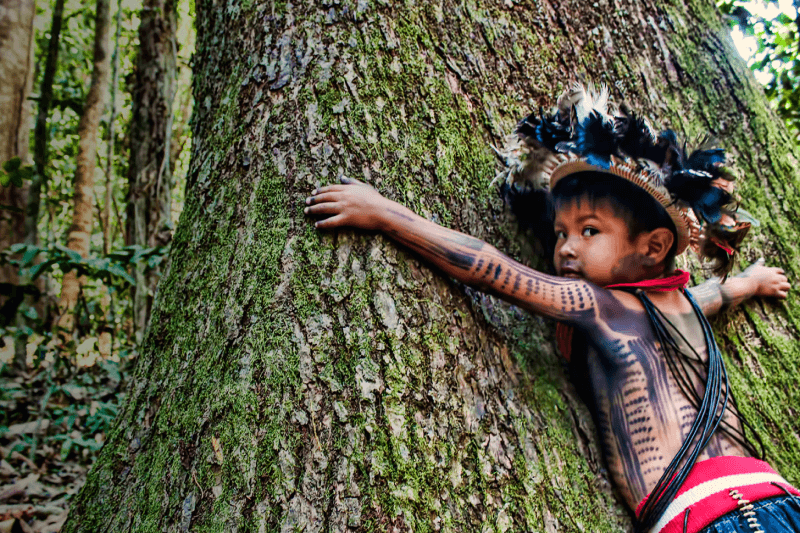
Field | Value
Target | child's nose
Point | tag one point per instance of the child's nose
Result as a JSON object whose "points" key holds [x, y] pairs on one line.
{"points": [[567, 249]]}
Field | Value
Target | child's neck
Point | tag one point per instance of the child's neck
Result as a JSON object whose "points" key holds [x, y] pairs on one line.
{"points": [[664, 283]]}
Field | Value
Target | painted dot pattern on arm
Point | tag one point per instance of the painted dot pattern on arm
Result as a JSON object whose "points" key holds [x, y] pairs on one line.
{"points": [[484, 267]]}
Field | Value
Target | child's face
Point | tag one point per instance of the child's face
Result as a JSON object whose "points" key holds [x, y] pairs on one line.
{"points": [[594, 244]]}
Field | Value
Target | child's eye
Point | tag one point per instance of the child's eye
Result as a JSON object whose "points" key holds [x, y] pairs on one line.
{"points": [[590, 231], [561, 235]]}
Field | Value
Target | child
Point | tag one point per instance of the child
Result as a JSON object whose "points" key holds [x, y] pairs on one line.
{"points": [[659, 393]]}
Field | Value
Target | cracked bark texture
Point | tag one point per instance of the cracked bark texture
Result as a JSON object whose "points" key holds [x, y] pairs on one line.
{"points": [[296, 382]]}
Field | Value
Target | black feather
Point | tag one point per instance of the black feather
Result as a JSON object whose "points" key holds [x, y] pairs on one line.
{"points": [[708, 206], [634, 136], [711, 161], [668, 152], [527, 126], [688, 184], [543, 130], [694, 187], [706, 159], [595, 139]]}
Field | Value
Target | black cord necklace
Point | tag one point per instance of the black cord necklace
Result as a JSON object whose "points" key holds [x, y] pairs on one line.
{"points": [[710, 410]]}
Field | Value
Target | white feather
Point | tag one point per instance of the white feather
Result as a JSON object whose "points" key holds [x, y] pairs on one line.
{"points": [[584, 100]]}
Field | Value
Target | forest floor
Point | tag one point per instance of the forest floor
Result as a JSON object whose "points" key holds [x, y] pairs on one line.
{"points": [[53, 422]]}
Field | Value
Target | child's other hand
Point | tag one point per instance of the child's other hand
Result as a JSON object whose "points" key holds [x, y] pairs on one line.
{"points": [[353, 203], [772, 282]]}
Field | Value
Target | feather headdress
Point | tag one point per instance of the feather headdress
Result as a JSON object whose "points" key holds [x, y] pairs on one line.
{"points": [[587, 133]]}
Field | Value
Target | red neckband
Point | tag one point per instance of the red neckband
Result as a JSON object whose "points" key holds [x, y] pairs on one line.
{"points": [[676, 281]]}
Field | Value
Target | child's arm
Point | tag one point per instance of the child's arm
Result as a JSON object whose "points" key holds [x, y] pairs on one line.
{"points": [[465, 258], [757, 280]]}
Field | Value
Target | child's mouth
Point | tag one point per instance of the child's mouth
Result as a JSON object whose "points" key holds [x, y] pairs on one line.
{"points": [[570, 270]]}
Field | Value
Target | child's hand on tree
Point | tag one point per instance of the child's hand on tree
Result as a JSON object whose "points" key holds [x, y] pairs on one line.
{"points": [[353, 203], [772, 281]]}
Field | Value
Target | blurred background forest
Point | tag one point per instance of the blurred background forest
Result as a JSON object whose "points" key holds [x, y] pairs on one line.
{"points": [[96, 102]]}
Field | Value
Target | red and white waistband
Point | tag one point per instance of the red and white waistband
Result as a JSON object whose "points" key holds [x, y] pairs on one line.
{"points": [[715, 487]]}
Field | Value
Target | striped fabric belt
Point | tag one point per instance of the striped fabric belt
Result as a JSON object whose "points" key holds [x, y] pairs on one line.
{"points": [[717, 486]]}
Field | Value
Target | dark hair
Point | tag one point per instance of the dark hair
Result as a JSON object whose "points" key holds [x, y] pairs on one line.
{"points": [[535, 210]]}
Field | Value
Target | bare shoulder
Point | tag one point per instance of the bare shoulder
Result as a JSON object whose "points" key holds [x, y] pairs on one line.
{"points": [[590, 306], [625, 299]]}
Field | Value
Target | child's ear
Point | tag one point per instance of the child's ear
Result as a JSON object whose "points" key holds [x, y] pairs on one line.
{"points": [[658, 244]]}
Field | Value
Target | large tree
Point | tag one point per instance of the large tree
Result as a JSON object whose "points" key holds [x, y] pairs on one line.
{"points": [[297, 382]]}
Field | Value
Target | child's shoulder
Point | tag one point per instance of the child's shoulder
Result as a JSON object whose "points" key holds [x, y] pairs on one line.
{"points": [[622, 310]]}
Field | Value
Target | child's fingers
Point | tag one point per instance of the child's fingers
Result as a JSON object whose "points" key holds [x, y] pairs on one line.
{"points": [[322, 197], [327, 208], [328, 188], [330, 223]]}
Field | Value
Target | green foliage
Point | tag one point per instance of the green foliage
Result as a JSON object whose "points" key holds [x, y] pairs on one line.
{"points": [[34, 261], [111, 269], [14, 172], [777, 57]]}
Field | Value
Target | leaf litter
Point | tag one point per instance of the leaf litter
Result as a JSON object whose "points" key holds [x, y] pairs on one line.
{"points": [[53, 421]]}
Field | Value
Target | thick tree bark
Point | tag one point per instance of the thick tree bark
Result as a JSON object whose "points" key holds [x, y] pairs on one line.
{"points": [[82, 217], [150, 170], [297, 382], [16, 64]]}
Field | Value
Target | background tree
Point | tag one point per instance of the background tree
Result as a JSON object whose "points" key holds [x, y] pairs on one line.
{"points": [[41, 136], [16, 65], [83, 199], [149, 223], [296, 382], [775, 28]]}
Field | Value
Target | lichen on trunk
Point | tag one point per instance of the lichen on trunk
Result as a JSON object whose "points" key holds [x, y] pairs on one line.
{"points": [[295, 381]]}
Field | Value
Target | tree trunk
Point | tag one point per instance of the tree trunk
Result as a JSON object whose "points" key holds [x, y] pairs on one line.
{"points": [[16, 64], [297, 382], [105, 215], [150, 170], [41, 136], [81, 229], [16, 80]]}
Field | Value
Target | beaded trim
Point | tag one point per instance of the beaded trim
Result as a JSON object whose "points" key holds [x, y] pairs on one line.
{"points": [[747, 507]]}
